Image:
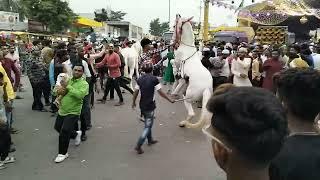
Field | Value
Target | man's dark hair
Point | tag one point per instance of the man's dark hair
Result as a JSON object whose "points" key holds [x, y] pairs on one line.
{"points": [[78, 64], [305, 49], [36, 42], [61, 45], [296, 47], [47, 42], [252, 120], [144, 42], [300, 89]]}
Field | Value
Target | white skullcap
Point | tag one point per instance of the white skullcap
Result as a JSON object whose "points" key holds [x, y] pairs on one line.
{"points": [[111, 45], [265, 46], [243, 50], [226, 51], [206, 49]]}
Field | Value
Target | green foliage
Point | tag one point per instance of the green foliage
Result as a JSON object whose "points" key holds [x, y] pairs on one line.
{"points": [[157, 28], [103, 15], [55, 14]]}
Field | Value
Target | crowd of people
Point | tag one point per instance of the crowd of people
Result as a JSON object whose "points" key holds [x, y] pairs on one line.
{"points": [[265, 104]]}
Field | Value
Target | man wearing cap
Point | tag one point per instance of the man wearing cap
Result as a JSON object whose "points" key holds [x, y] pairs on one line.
{"points": [[220, 68], [240, 67], [113, 62]]}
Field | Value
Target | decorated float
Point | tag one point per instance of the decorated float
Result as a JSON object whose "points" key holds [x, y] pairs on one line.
{"points": [[274, 21]]}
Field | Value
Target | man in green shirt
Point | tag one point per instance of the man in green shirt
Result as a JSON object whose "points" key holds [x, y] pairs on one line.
{"points": [[70, 109]]}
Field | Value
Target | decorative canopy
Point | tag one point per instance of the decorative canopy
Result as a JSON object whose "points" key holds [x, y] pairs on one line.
{"points": [[272, 12]]}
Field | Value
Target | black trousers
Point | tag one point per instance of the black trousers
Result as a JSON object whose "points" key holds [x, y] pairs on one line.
{"points": [[217, 81], [46, 91], [122, 84], [37, 90], [54, 108], [113, 83], [65, 127], [5, 142], [85, 116]]}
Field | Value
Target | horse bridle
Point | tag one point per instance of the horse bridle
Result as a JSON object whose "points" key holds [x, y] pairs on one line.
{"points": [[179, 33]]}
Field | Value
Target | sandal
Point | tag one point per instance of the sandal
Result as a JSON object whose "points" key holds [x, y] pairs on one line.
{"points": [[2, 165], [9, 160]]}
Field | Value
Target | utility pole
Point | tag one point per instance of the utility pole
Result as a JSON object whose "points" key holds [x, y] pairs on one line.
{"points": [[206, 21], [169, 12]]}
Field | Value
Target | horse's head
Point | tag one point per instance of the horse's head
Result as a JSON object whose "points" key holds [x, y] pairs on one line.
{"points": [[183, 32]]}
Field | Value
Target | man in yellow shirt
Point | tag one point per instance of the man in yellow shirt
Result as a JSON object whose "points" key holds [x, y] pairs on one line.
{"points": [[10, 93]]}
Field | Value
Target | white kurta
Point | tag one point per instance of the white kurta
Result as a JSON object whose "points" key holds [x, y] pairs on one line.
{"points": [[241, 67]]}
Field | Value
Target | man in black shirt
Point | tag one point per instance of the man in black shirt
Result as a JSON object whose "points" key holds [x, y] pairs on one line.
{"points": [[147, 84], [299, 91]]}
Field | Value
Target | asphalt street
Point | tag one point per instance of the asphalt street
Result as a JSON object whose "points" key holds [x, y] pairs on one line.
{"points": [[181, 154]]}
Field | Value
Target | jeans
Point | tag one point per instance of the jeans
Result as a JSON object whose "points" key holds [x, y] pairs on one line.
{"points": [[113, 83], [65, 127], [147, 132], [9, 119]]}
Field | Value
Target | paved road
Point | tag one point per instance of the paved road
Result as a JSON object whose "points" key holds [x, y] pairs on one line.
{"points": [[182, 154]]}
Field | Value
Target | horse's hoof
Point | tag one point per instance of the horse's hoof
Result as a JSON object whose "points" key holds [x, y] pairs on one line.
{"points": [[182, 124]]}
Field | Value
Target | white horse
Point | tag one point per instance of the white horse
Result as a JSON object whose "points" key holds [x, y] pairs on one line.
{"points": [[199, 78], [131, 58]]}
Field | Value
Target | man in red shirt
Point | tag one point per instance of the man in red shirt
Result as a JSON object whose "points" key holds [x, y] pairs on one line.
{"points": [[9, 66], [113, 62]]}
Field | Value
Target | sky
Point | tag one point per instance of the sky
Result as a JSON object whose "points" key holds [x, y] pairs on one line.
{"points": [[141, 12]]}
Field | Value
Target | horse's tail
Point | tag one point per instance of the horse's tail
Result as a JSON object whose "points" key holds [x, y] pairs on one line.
{"points": [[205, 114]]}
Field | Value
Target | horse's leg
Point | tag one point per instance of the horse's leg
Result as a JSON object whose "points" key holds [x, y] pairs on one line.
{"points": [[178, 88], [136, 67], [126, 67], [131, 67], [205, 114], [191, 113]]}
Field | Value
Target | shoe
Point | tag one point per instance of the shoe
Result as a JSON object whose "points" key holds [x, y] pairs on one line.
{"points": [[12, 149], [139, 150], [102, 101], [111, 99], [19, 97], [14, 131], [119, 104], [61, 158], [2, 165], [153, 142], [9, 160], [89, 127], [78, 138], [84, 138]]}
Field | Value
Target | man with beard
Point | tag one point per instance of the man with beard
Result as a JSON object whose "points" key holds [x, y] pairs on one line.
{"points": [[76, 89], [220, 69], [295, 60], [113, 63]]}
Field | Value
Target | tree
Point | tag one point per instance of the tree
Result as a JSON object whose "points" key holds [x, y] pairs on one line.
{"points": [[117, 15], [157, 28], [103, 15], [55, 14]]}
